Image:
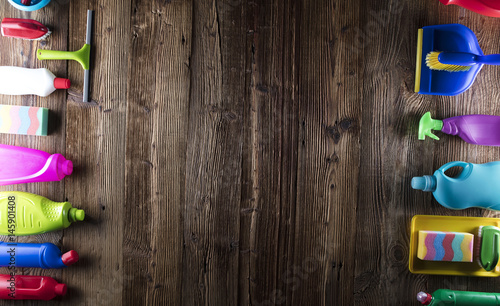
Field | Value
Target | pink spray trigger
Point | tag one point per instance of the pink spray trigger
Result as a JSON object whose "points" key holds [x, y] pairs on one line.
{"points": [[24, 29]]}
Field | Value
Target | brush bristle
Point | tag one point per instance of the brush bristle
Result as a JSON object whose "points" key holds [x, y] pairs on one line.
{"points": [[432, 61], [44, 36]]}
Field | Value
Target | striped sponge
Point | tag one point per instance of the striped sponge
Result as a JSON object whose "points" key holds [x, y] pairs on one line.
{"points": [[23, 120], [445, 246]]}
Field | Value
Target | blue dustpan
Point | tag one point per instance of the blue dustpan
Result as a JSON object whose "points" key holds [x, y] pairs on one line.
{"points": [[450, 38]]}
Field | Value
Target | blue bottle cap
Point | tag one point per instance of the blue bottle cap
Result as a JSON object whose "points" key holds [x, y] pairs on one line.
{"points": [[424, 183]]}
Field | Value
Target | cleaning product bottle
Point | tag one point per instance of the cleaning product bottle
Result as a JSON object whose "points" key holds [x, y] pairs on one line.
{"points": [[484, 7], [35, 255], [23, 213], [478, 185], [459, 298], [29, 287], [26, 81], [476, 129], [20, 165]]}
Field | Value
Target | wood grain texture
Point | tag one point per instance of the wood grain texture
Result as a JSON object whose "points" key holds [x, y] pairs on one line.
{"points": [[96, 141], [157, 109], [247, 152], [270, 154], [213, 166]]}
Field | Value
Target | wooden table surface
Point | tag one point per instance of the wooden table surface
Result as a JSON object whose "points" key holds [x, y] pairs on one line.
{"points": [[247, 152]]}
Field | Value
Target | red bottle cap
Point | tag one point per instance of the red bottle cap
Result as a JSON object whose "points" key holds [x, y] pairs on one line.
{"points": [[60, 83], [60, 289], [70, 257], [424, 298]]}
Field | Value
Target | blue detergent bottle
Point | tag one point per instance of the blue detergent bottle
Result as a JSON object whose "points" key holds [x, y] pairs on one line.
{"points": [[35, 255], [478, 185]]}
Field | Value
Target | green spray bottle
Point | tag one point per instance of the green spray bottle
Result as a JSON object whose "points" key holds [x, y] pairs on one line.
{"points": [[23, 213], [459, 298]]}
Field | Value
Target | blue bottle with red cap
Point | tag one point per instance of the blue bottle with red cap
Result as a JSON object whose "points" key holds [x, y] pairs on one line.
{"points": [[35, 255]]}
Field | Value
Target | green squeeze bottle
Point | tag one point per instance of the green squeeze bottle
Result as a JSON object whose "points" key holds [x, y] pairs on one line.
{"points": [[23, 214], [458, 298]]}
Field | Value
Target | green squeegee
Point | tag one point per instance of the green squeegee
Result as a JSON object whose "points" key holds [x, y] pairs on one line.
{"points": [[82, 56]]}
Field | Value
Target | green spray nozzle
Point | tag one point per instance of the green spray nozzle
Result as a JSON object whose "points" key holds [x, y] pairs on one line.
{"points": [[426, 125], [76, 215], [490, 247]]}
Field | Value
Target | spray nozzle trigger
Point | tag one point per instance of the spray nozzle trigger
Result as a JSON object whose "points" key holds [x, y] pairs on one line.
{"points": [[426, 125]]}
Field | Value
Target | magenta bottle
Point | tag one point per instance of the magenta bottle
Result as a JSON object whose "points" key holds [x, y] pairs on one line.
{"points": [[475, 129], [20, 165], [30, 287]]}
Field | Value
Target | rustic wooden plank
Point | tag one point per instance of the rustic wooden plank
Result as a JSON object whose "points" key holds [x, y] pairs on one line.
{"points": [[329, 72], [380, 150], [95, 138], [213, 169], [159, 83], [141, 100], [270, 156], [172, 96]]}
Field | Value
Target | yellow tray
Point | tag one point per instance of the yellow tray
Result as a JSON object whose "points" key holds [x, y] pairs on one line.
{"points": [[450, 224]]}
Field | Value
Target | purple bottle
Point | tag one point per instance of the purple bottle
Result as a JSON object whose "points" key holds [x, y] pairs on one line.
{"points": [[476, 129]]}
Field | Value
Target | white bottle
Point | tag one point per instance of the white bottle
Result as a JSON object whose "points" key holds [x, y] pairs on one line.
{"points": [[26, 81]]}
